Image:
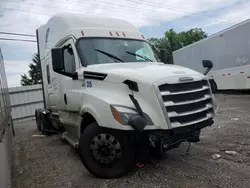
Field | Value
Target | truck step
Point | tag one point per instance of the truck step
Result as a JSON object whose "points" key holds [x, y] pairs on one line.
{"points": [[70, 139]]}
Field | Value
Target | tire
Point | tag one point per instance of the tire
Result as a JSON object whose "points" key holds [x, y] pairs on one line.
{"points": [[213, 86], [91, 142], [43, 125], [38, 119]]}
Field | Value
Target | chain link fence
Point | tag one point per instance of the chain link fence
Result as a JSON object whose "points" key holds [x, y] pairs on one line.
{"points": [[6, 130]]}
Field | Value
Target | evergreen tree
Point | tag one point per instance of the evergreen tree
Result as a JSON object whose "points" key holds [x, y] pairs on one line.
{"points": [[34, 74]]}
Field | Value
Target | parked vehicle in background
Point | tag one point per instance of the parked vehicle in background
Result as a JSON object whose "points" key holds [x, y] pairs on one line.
{"points": [[6, 130], [110, 98], [229, 50]]}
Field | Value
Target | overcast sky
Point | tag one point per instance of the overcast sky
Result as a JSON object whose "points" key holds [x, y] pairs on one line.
{"points": [[152, 17]]}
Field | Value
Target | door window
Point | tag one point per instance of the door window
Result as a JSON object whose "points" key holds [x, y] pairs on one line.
{"points": [[69, 60]]}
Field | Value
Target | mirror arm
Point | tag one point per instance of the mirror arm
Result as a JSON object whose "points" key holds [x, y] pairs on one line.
{"points": [[206, 71], [75, 76]]}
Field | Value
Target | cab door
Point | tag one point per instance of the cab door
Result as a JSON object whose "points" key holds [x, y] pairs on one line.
{"points": [[63, 85]]}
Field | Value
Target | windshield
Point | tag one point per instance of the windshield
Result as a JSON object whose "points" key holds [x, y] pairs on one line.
{"points": [[108, 50]]}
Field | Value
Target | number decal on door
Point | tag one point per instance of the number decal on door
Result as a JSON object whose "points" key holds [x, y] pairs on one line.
{"points": [[89, 84]]}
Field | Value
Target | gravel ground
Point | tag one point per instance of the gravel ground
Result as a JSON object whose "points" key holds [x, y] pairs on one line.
{"points": [[50, 162]]}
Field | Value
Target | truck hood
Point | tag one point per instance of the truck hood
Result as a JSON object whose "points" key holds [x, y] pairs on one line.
{"points": [[144, 72]]}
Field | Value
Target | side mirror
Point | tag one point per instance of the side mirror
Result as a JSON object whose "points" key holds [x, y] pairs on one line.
{"points": [[163, 56], [57, 60], [207, 64]]}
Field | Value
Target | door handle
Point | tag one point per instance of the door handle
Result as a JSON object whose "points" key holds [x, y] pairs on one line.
{"points": [[65, 99]]}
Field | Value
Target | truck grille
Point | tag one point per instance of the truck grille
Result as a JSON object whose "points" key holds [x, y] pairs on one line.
{"points": [[187, 103]]}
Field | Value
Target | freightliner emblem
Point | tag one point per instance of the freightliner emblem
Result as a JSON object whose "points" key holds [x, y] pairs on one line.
{"points": [[185, 79]]}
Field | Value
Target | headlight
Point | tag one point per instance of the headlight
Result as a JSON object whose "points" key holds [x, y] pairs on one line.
{"points": [[122, 114]]}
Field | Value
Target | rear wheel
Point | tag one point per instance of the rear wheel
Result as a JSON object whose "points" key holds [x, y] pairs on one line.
{"points": [[46, 126], [43, 125], [106, 153], [38, 119]]}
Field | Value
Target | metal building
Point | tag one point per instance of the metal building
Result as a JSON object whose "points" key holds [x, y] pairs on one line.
{"points": [[6, 130]]}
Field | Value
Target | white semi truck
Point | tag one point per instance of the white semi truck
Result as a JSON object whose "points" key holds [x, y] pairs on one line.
{"points": [[109, 97], [229, 50]]}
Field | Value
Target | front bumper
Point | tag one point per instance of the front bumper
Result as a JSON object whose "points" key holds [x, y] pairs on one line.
{"points": [[192, 128], [169, 139]]}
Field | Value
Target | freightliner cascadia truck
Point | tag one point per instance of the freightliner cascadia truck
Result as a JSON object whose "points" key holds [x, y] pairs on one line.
{"points": [[105, 92]]}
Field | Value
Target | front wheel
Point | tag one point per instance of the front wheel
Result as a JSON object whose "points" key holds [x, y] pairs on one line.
{"points": [[106, 153]]}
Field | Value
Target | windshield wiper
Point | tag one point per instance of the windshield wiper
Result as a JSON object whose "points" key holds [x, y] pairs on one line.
{"points": [[115, 58], [143, 57]]}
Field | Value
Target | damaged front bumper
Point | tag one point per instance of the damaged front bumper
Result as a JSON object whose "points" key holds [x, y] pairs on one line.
{"points": [[169, 139]]}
